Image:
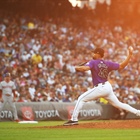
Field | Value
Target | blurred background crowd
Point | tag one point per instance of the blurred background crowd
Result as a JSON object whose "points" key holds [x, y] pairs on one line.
{"points": [[40, 47]]}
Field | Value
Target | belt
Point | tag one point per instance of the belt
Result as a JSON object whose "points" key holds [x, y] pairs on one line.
{"points": [[7, 94], [100, 84]]}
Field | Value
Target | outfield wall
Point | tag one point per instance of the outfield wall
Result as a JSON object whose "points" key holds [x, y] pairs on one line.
{"points": [[40, 111]]}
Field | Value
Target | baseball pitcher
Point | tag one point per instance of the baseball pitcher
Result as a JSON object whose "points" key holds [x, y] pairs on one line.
{"points": [[100, 70]]}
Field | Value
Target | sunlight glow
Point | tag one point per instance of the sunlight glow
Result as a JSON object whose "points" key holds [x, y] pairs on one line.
{"points": [[90, 3], [74, 2]]}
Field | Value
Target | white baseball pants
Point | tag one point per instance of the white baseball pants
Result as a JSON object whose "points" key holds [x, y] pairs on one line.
{"points": [[102, 90], [9, 99]]}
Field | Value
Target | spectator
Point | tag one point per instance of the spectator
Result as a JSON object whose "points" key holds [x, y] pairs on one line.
{"points": [[58, 41], [36, 58]]}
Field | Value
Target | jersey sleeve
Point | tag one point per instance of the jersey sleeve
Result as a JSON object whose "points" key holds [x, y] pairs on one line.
{"points": [[114, 65], [90, 64]]}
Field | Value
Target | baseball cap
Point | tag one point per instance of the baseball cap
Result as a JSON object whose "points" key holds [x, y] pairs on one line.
{"points": [[7, 74], [99, 51]]}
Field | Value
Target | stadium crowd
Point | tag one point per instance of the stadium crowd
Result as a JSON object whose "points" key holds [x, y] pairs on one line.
{"points": [[41, 55]]}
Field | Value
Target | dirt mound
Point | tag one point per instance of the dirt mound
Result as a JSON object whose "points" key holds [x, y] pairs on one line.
{"points": [[106, 124]]}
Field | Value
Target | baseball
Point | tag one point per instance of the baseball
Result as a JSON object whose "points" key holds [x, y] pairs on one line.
{"points": [[131, 48]]}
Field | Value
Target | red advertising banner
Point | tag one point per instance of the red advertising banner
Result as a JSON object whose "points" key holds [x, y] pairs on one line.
{"points": [[27, 113]]}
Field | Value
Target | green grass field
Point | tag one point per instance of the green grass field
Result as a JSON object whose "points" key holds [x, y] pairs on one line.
{"points": [[16, 131]]}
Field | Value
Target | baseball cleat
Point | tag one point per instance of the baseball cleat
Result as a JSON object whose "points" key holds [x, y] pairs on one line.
{"points": [[16, 120], [70, 122], [138, 113]]}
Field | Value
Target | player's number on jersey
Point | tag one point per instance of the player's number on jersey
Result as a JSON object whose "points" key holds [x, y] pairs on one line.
{"points": [[103, 73]]}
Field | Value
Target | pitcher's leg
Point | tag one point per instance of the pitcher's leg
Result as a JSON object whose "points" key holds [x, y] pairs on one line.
{"points": [[87, 96], [116, 103], [92, 94]]}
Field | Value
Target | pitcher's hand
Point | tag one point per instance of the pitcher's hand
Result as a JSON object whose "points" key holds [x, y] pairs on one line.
{"points": [[130, 50]]}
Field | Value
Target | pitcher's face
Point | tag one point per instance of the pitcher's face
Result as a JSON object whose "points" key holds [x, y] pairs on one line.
{"points": [[95, 55]]}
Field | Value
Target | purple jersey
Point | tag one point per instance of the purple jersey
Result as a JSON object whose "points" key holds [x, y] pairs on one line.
{"points": [[100, 70]]}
